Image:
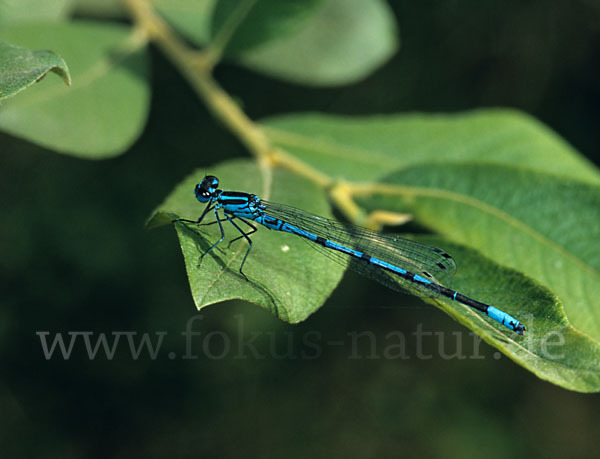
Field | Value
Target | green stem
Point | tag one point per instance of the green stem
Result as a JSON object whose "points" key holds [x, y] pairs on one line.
{"points": [[196, 66]]}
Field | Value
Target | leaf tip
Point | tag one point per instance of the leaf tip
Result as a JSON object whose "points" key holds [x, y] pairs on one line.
{"points": [[159, 219]]}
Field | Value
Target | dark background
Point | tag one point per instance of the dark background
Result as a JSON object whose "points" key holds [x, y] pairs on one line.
{"points": [[75, 257]]}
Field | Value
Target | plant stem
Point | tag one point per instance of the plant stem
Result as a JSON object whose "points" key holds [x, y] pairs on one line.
{"points": [[196, 66]]}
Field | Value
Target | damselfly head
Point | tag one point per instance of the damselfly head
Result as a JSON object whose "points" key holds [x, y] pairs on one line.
{"points": [[207, 188]]}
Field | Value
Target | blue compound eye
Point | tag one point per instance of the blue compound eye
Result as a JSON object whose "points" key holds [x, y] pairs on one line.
{"points": [[206, 189]]}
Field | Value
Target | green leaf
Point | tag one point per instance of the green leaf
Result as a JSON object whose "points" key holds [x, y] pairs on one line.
{"points": [[367, 148], [551, 348], [344, 42], [191, 18], [539, 224], [21, 67], [249, 23], [105, 109], [33, 10], [287, 277]]}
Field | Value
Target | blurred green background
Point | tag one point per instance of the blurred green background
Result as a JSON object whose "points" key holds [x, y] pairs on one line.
{"points": [[75, 257]]}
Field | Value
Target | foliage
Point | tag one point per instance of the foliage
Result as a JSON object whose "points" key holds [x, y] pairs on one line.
{"points": [[515, 204], [20, 68], [103, 111]]}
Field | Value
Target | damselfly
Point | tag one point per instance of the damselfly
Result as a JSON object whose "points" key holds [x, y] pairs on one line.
{"points": [[396, 262]]}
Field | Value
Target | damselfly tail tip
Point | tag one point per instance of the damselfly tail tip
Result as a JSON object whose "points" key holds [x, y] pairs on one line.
{"points": [[520, 329]]}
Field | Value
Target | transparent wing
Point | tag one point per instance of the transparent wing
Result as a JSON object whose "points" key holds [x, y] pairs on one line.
{"points": [[425, 260]]}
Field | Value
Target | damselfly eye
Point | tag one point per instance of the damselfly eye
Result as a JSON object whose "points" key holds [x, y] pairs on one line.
{"points": [[203, 191], [211, 181]]}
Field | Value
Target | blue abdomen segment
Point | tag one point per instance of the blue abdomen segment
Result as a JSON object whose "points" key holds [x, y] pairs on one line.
{"points": [[505, 319]]}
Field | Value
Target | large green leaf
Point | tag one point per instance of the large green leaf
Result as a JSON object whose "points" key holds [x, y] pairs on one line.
{"points": [[539, 224], [312, 42], [551, 348], [104, 110], [366, 148], [342, 43], [21, 67], [286, 276]]}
